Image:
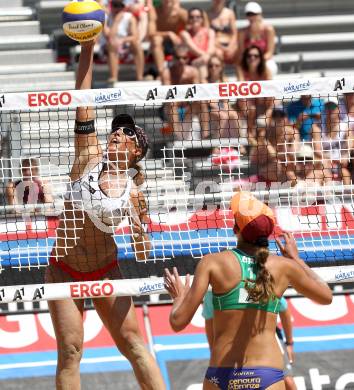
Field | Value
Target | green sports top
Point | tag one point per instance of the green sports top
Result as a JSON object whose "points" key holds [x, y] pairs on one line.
{"points": [[237, 298]]}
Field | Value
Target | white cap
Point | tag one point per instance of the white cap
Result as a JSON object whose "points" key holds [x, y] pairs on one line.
{"points": [[305, 151], [253, 8]]}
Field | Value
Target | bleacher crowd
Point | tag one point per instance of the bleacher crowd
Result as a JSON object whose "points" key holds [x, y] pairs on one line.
{"points": [[308, 140]]}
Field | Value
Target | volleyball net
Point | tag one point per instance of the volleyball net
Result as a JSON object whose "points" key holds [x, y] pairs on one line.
{"points": [[287, 141]]}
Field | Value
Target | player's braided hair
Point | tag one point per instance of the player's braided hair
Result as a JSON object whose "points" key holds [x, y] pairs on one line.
{"points": [[261, 289]]}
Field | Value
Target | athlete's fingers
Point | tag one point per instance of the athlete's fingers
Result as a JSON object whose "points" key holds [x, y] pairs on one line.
{"points": [[188, 281], [175, 273], [280, 245]]}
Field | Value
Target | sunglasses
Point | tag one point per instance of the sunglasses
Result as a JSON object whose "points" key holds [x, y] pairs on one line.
{"points": [[118, 5], [127, 131], [195, 16], [181, 58], [249, 14], [253, 55]]}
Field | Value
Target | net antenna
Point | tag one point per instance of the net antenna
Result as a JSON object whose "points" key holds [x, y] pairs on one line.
{"points": [[189, 181]]}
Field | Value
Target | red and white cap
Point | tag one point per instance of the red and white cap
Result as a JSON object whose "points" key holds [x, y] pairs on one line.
{"points": [[254, 218]]}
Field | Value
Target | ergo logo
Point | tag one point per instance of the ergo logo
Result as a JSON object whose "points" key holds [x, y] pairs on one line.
{"points": [[49, 99], [83, 290], [242, 89]]}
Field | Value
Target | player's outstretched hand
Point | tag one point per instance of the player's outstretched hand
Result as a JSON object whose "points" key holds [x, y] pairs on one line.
{"points": [[289, 248], [174, 284]]}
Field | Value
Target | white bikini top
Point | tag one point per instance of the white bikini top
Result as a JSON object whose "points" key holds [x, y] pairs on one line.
{"points": [[86, 194]]}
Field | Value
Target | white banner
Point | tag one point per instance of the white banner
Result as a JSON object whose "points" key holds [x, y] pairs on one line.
{"points": [[125, 287], [285, 88]]}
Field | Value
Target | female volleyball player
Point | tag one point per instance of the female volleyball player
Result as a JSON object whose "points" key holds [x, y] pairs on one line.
{"points": [[100, 195], [247, 284]]}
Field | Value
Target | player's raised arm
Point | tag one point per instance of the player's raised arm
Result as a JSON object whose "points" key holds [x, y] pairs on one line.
{"points": [[86, 143]]}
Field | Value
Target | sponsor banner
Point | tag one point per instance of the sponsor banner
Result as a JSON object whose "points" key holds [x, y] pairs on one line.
{"points": [[81, 290], [34, 332], [160, 94]]}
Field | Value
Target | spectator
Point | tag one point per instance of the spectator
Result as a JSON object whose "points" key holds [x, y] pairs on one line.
{"points": [[253, 68], [166, 21], [180, 115], [309, 170], [223, 21], [258, 33], [305, 113], [349, 106], [219, 119], [139, 10], [123, 39], [200, 41], [333, 143], [273, 155], [31, 189]]}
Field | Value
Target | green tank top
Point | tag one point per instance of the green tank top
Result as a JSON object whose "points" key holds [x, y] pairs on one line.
{"points": [[236, 299]]}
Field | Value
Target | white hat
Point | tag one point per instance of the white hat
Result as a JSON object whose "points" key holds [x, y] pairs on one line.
{"points": [[253, 8], [305, 151]]}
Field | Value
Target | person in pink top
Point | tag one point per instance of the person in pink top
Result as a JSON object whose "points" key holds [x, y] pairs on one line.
{"points": [[258, 33], [253, 68], [200, 41]]}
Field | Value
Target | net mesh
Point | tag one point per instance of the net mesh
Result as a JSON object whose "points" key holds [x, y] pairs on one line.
{"points": [[201, 151]]}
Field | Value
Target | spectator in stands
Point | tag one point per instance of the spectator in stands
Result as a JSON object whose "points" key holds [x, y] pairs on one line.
{"points": [[333, 143], [200, 41], [309, 169], [123, 39], [258, 33], [31, 189], [223, 21], [253, 68], [166, 20], [180, 115], [305, 113], [218, 118], [349, 106], [272, 156], [139, 10]]}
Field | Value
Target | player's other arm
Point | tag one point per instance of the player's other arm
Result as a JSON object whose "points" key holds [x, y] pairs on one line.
{"points": [[186, 298], [139, 218], [301, 276]]}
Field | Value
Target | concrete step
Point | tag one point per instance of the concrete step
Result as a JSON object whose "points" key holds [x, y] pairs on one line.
{"points": [[307, 42], [39, 56], [33, 68], [15, 13], [40, 86], [327, 59], [11, 3], [22, 42], [6, 80], [272, 8], [309, 24], [13, 28]]}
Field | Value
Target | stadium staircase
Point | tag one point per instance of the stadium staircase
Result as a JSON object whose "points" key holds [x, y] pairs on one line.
{"points": [[27, 59]]}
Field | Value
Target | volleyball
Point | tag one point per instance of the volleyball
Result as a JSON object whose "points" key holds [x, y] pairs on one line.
{"points": [[83, 20]]}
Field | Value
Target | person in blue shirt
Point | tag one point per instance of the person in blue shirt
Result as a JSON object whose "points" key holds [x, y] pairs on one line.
{"points": [[305, 113]]}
